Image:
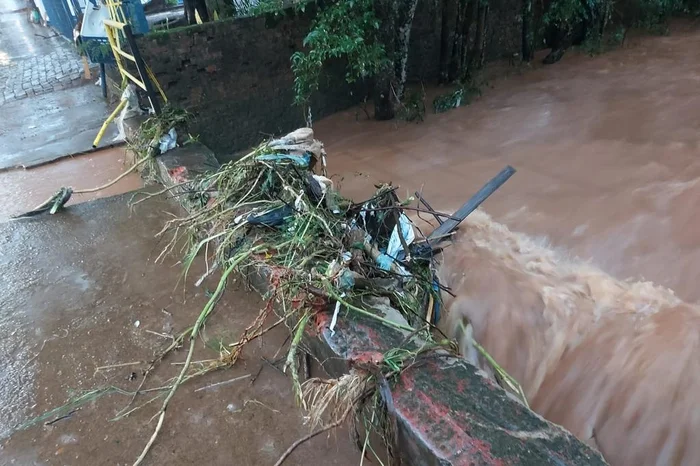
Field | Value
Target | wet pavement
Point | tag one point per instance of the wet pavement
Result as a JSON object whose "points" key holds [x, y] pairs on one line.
{"points": [[56, 119], [81, 290], [51, 126], [33, 59], [607, 151]]}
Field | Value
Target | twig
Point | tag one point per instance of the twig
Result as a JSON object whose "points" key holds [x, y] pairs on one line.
{"points": [[427, 206], [257, 402], [176, 342], [259, 334], [116, 366], [509, 380], [312, 435], [121, 415], [273, 364], [65, 416], [282, 346], [225, 382], [399, 230], [107, 185], [307, 365], [257, 374], [162, 335], [370, 314], [375, 197], [417, 209], [155, 194]]}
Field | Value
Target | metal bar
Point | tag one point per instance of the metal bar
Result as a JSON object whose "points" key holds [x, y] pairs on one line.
{"points": [[103, 80], [135, 80], [474, 202], [427, 206], [114, 24], [143, 72], [98, 138], [114, 44], [128, 56]]}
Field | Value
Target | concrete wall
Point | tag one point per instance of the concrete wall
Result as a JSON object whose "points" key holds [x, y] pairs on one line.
{"points": [[235, 74]]}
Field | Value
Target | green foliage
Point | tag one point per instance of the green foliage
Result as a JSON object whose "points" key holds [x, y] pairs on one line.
{"points": [[413, 106], [565, 13], [250, 8], [596, 44], [344, 29], [464, 94], [97, 51], [652, 14], [597, 16]]}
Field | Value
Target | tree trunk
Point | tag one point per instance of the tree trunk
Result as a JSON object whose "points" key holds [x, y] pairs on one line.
{"points": [[384, 82], [189, 12], [477, 56], [469, 15], [196, 5], [201, 6], [404, 22], [459, 41], [528, 36], [449, 9]]}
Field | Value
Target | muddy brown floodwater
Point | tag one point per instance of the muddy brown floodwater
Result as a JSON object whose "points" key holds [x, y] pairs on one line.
{"points": [[607, 151]]}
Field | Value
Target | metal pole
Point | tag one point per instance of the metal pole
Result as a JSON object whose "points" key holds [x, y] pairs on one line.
{"points": [[141, 67], [103, 79], [474, 202]]}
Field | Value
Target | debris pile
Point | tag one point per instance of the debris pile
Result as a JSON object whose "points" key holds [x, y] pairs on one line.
{"points": [[272, 209], [277, 210]]}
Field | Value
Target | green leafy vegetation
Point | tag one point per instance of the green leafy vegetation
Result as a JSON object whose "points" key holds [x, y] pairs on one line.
{"points": [[463, 95], [595, 44], [347, 30], [413, 106], [96, 51]]}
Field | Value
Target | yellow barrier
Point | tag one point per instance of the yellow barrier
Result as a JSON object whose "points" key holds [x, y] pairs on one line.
{"points": [[109, 119], [119, 31]]}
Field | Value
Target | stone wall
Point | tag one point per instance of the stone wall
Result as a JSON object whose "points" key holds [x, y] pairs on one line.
{"points": [[235, 74]]}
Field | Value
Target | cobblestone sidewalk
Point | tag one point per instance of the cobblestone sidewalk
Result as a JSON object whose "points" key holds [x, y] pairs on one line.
{"points": [[36, 75], [35, 59]]}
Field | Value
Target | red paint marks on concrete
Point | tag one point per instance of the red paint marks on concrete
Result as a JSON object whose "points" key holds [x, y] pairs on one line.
{"points": [[461, 386], [367, 357], [178, 174], [436, 426], [407, 382]]}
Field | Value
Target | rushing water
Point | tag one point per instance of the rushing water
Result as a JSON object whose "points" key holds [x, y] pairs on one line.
{"points": [[607, 152]]}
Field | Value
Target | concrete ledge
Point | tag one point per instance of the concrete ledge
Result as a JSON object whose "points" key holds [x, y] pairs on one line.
{"points": [[447, 412]]}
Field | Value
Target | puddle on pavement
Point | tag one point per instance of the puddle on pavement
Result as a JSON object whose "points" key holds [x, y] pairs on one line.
{"points": [[22, 190]]}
